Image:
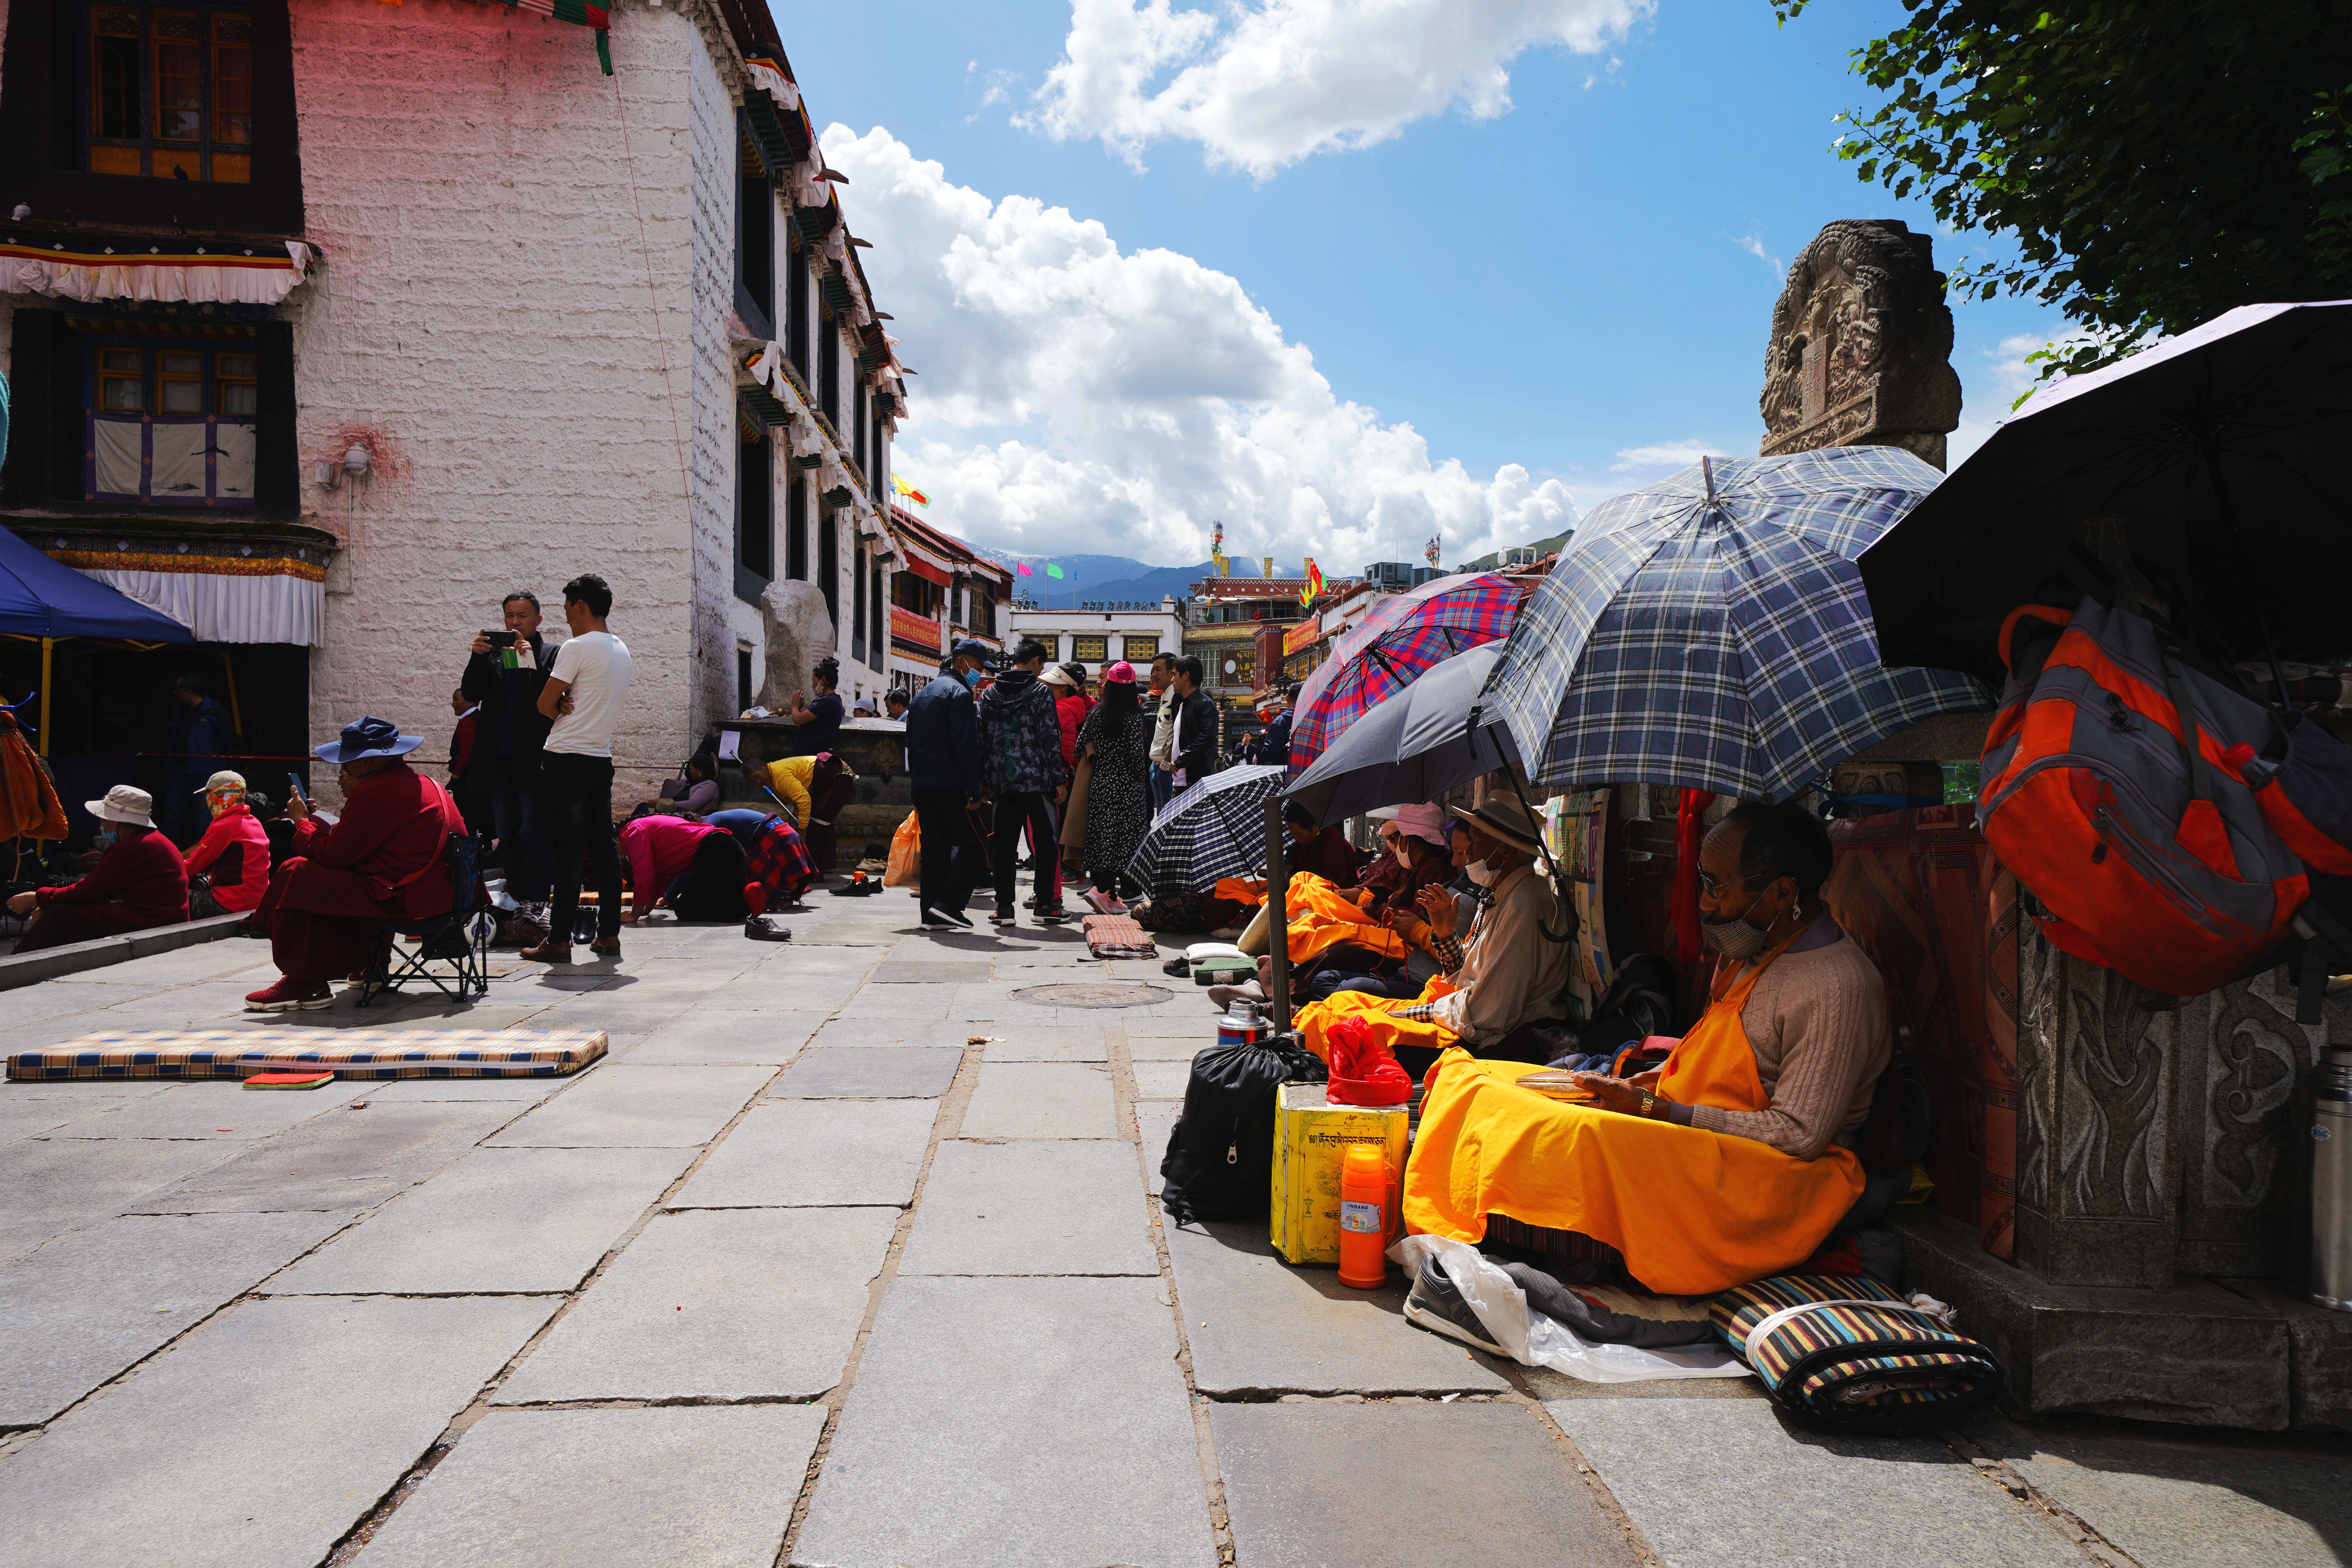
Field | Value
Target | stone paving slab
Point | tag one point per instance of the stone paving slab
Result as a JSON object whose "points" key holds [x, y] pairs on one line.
{"points": [[1257, 1325], [30, 1118], [894, 1032], [258, 1471], [517, 1092], [717, 1304], [82, 1087], [1405, 1484], [625, 1107], [898, 1004], [589, 1010], [1200, 1023], [1040, 1100], [1155, 1119], [498, 1219], [2187, 1499], [1061, 1437], [337, 1163], [87, 1305], [916, 972], [1180, 1047], [702, 1035], [48, 1187], [796, 1154], [1735, 1482], [218, 1110], [764, 992], [880, 1073], [711, 1487], [1032, 1207], [1162, 1080], [1045, 1042]]}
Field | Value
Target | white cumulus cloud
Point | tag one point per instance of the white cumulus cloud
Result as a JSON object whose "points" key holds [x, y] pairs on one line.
{"points": [[1074, 397], [1262, 84], [1665, 455]]}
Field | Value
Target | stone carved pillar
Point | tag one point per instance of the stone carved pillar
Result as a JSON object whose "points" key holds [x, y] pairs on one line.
{"points": [[1862, 345]]}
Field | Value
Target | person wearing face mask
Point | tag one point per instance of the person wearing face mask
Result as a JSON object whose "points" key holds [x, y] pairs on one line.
{"points": [[138, 883], [1729, 1164], [943, 774], [1500, 980], [234, 853]]}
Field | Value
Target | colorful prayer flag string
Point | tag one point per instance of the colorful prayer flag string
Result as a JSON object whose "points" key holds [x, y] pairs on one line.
{"points": [[899, 485]]}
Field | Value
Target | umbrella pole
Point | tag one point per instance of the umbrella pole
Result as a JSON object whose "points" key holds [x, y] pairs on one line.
{"points": [[49, 645], [1277, 917]]}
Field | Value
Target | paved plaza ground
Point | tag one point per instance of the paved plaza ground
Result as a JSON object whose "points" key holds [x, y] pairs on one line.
{"points": [[848, 1253]]}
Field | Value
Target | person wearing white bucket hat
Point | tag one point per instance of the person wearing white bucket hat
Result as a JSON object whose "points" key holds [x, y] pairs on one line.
{"points": [[138, 883]]}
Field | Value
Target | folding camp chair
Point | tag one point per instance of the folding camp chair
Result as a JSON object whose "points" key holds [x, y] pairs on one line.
{"points": [[459, 939]]}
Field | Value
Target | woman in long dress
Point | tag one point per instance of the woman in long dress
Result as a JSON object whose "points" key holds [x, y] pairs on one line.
{"points": [[1118, 800]]}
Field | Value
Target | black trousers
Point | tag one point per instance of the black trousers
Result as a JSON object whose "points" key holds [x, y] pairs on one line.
{"points": [[710, 890], [955, 853], [578, 793], [1031, 810]]}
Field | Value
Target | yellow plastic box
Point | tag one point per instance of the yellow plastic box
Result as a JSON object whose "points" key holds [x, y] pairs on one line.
{"points": [[1310, 1138]]}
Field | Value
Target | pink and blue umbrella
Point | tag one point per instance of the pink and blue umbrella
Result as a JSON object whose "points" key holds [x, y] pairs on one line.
{"points": [[1403, 636]]}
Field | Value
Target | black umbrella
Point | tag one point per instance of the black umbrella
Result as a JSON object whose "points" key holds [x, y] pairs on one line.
{"points": [[1412, 745], [2220, 452]]}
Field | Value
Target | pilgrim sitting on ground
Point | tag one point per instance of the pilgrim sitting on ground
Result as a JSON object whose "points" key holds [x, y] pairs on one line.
{"points": [[1732, 1162], [138, 882], [1499, 981], [232, 856], [384, 863]]}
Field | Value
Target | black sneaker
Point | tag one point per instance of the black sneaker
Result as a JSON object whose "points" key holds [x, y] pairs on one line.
{"points": [[1436, 1305], [1055, 916], [934, 915], [1001, 917]]}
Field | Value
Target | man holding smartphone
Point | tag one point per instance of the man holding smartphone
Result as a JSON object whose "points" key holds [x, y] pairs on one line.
{"points": [[587, 686], [505, 673]]}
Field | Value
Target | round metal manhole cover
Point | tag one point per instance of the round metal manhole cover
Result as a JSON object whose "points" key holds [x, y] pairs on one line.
{"points": [[1084, 995]]}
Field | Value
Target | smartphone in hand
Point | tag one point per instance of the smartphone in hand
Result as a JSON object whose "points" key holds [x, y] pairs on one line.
{"points": [[294, 783]]}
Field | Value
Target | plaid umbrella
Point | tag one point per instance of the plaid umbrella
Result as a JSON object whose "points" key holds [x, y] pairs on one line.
{"points": [[1214, 828], [1403, 636], [1710, 631]]}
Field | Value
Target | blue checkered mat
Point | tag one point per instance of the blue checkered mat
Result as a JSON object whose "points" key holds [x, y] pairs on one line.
{"points": [[348, 1053]]}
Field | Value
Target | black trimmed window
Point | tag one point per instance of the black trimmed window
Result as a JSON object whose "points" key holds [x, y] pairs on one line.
{"points": [[828, 568], [878, 597], [796, 308], [857, 609], [755, 515], [755, 238], [828, 372], [168, 91], [796, 528]]}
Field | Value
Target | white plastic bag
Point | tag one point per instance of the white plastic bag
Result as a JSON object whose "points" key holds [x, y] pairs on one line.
{"points": [[1534, 1340]]}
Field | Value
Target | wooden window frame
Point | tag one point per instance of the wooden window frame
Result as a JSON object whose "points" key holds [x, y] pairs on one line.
{"points": [[224, 379]]}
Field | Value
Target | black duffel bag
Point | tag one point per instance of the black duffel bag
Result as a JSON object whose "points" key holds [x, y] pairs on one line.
{"points": [[1220, 1159]]}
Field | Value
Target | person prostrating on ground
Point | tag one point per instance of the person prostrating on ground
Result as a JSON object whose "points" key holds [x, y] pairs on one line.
{"points": [[585, 690]]}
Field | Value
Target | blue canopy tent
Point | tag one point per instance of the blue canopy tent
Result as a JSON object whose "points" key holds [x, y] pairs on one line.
{"points": [[44, 601]]}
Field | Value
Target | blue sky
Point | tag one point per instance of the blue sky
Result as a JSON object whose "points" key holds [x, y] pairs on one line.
{"points": [[1137, 310]]}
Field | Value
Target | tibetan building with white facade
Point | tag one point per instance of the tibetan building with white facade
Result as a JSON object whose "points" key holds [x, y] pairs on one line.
{"points": [[330, 322]]}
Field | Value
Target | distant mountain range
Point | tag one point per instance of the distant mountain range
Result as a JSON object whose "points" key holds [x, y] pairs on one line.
{"points": [[1090, 579]]}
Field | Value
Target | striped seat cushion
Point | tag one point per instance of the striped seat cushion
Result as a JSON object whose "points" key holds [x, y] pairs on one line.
{"points": [[347, 1053], [1117, 936], [1851, 1351]]}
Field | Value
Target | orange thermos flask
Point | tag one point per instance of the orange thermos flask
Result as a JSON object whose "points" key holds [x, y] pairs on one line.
{"points": [[1363, 1218]]}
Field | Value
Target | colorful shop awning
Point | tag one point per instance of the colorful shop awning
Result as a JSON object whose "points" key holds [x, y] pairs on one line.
{"points": [[95, 268]]}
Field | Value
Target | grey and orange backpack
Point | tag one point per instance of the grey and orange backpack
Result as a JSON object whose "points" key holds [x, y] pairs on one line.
{"points": [[2169, 823]]}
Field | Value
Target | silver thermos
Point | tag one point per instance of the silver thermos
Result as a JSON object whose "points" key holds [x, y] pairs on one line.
{"points": [[2331, 1184]]}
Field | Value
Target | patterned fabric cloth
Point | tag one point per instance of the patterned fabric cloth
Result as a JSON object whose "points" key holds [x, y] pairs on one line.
{"points": [[1403, 636], [234, 1053], [1214, 828], [1872, 1359], [1710, 631], [1117, 936], [778, 861], [1118, 793]]}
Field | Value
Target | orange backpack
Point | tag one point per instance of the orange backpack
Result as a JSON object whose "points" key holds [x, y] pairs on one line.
{"points": [[2141, 839]]}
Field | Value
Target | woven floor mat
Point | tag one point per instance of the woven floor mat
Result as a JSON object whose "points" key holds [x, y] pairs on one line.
{"points": [[378, 1054]]}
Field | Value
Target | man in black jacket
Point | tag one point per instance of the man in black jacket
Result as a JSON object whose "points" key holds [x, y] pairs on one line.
{"points": [[943, 775], [1195, 742], [1021, 752], [510, 734]]}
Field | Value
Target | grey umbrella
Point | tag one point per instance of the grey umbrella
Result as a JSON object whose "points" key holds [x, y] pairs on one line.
{"points": [[1413, 746]]}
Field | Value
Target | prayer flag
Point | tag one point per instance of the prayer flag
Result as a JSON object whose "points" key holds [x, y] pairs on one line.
{"points": [[1312, 589], [899, 484], [1052, 569], [1023, 568]]}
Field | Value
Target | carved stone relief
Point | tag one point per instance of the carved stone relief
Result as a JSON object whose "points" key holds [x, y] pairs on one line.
{"points": [[1862, 344]]}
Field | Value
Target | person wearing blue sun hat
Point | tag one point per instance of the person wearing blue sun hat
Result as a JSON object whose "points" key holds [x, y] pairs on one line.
{"points": [[383, 861]]}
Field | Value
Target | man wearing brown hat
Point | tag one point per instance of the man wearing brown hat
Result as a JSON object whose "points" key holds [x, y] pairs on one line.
{"points": [[139, 882], [1503, 977]]}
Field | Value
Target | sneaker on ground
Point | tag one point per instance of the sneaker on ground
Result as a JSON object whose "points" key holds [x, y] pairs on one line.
{"points": [[1109, 904], [1054, 916], [1437, 1305], [285, 996], [934, 915], [1001, 917]]}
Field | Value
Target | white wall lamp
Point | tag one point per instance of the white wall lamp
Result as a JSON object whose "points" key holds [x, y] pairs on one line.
{"points": [[354, 468]]}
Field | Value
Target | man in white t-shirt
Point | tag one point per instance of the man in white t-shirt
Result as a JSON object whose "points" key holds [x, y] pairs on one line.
{"points": [[586, 685]]}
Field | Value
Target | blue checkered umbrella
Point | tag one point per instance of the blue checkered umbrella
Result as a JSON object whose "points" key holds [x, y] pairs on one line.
{"points": [[1214, 828], [1710, 631]]}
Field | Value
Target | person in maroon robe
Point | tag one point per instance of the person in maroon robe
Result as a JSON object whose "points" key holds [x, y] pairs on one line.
{"points": [[138, 882], [385, 862]]}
